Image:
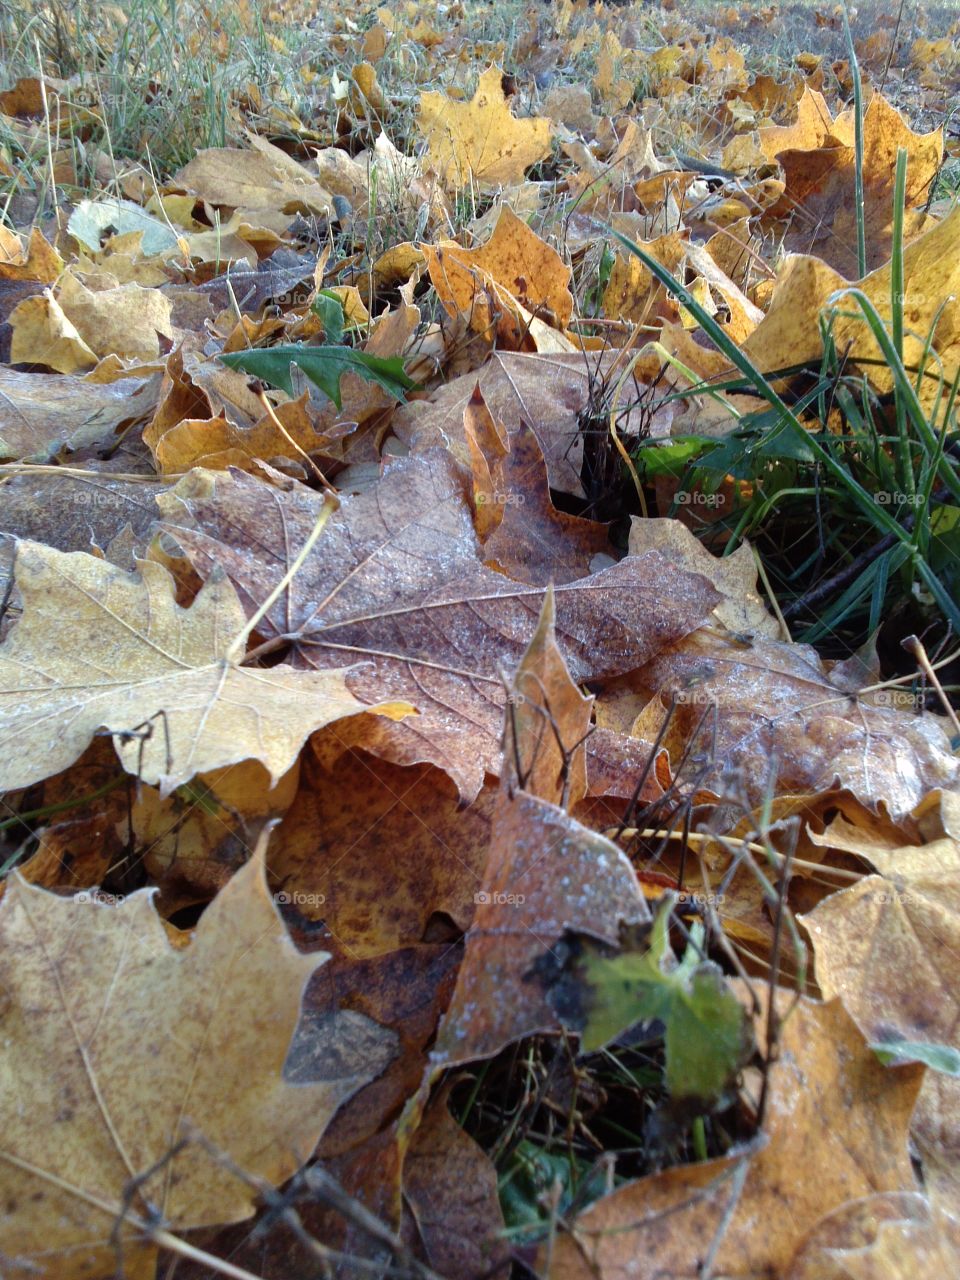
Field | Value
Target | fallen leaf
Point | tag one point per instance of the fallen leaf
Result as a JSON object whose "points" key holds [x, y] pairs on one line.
{"points": [[896, 1236], [781, 719], [217, 443], [450, 1185], [813, 125], [547, 392], [514, 271], [127, 321], [43, 413], [906, 919], [632, 293], [116, 1042], [481, 140], [789, 334], [397, 585], [80, 513], [37, 261], [44, 335], [742, 609], [263, 178], [90, 219], [191, 842], [821, 1151], [819, 195], [98, 648], [533, 541], [546, 875], [706, 1030], [372, 904]]}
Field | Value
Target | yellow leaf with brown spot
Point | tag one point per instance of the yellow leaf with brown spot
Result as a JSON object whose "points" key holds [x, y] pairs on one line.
{"points": [[514, 272], [819, 197]]}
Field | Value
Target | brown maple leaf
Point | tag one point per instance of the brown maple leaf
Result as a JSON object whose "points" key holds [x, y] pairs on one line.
{"points": [[397, 583]]}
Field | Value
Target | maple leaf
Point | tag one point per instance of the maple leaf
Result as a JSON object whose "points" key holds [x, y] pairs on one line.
{"points": [[632, 292], [905, 919], [396, 583], [450, 1184], [789, 333], [50, 411], [819, 194], [373, 904], [523, 533], [836, 1130], [481, 140], [126, 320], [809, 131], [548, 392], [76, 512], [546, 873], [365, 1150], [118, 1045], [707, 1038], [98, 648], [898, 1235], [501, 284], [776, 706], [43, 334], [217, 443], [742, 609]]}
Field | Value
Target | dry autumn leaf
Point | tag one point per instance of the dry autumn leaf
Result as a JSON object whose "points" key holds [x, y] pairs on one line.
{"points": [[481, 140], [512, 277], [541, 766], [450, 1185], [43, 413], [783, 720], [896, 1236], [818, 1154], [930, 310], [533, 541], [545, 875], [437, 849], [396, 586], [263, 178], [547, 392], [144, 1046], [100, 649], [905, 919], [819, 195], [38, 260]]}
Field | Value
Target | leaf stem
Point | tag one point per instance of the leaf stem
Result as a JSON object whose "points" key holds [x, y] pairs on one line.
{"points": [[330, 504]]}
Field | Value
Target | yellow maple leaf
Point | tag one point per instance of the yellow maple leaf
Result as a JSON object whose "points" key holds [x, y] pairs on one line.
{"points": [[481, 140]]}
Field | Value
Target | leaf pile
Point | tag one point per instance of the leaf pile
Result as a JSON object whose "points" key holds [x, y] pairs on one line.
{"points": [[394, 814]]}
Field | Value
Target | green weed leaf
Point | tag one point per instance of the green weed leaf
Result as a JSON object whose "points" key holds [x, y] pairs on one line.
{"points": [[324, 366]]}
